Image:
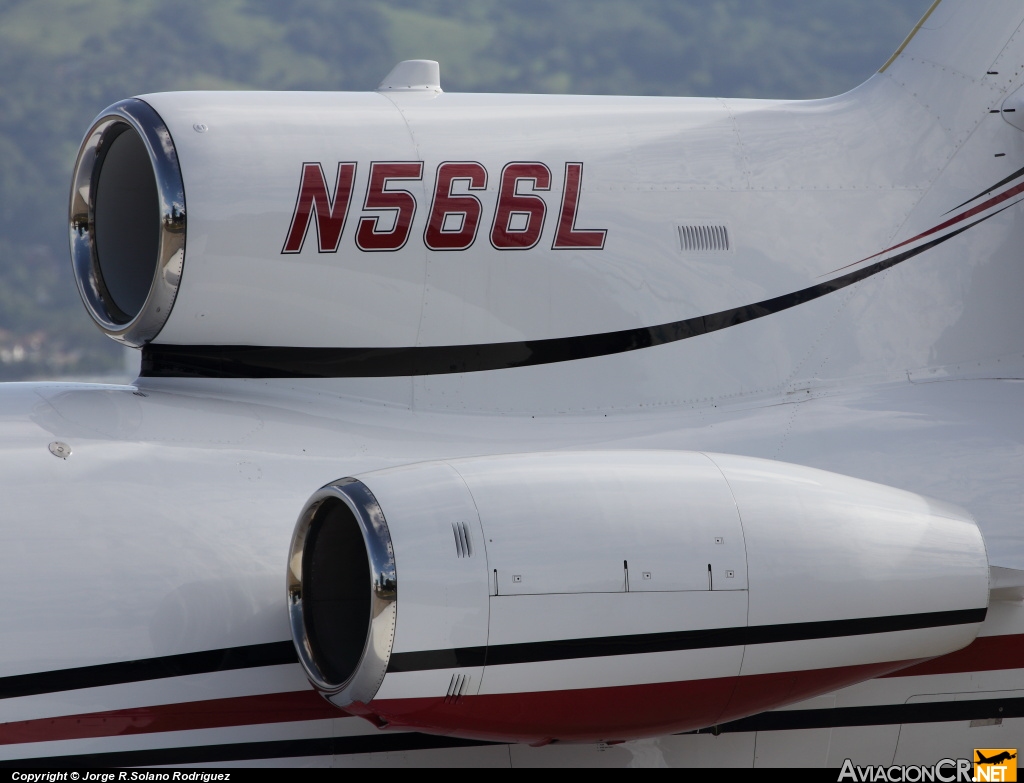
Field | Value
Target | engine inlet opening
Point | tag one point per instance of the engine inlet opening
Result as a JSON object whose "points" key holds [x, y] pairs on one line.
{"points": [[126, 216], [127, 222], [336, 591]]}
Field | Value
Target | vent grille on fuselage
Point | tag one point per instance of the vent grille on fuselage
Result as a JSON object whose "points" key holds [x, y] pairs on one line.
{"points": [[463, 543], [457, 688], [703, 239]]}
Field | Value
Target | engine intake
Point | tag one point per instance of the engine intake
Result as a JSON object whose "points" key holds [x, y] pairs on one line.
{"points": [[127, 218], [342, 590]]}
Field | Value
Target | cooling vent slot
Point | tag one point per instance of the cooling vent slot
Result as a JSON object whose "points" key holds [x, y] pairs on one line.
{"points": [[703, 239], [463, 543], [457, 688]]}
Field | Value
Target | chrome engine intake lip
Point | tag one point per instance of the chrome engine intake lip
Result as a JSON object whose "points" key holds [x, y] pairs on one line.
{"points": [[356, 505], [139, 323]]}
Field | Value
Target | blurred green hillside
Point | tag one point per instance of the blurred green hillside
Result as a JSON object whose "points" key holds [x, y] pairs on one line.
{"points": [[65, 60]]}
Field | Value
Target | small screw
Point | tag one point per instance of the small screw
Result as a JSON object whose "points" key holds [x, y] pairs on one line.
{"points": [[200, 128]]}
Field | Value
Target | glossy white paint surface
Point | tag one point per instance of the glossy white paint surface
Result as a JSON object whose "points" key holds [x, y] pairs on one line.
{"points": [[567, 523], [443, 601], [867, 549], [761, 168], [538, 618], [166, 530], [555, 533], [262, 453]]}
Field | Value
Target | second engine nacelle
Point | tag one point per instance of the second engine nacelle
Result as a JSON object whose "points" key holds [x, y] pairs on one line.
{"points": [[614, 595]]}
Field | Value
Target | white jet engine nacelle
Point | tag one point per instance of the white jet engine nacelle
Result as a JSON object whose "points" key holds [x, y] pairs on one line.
{"points": [[613, 595], [194, 215]]}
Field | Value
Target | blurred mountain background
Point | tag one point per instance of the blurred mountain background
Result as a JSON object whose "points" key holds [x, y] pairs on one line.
{"points": [[65, 60]]}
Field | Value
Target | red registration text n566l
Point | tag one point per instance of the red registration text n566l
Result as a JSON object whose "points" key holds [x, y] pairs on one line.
{"points": [[456, 213]]}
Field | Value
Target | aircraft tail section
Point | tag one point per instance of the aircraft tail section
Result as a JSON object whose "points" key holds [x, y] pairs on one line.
{"points": [[963, 58]]}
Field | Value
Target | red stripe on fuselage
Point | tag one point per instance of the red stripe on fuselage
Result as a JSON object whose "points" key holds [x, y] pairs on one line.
{"points": [[212, 714], [669, 703], [986, 653], [621, 712], [618, 713], [1015, 190]]}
